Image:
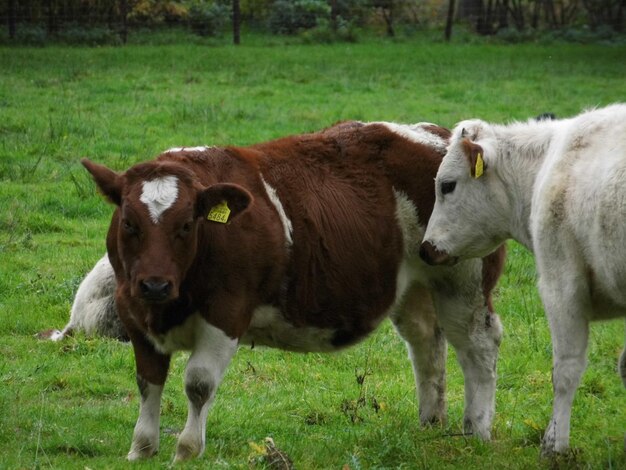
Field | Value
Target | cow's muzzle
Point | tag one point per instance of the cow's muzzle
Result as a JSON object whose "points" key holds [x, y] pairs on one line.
{"points": [[155, 289], [433, 256]]}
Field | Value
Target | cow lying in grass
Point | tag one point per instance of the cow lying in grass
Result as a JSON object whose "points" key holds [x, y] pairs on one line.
{"points": [[559, 188], [305, 243]]}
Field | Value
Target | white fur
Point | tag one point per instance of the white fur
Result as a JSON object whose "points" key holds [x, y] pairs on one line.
{"points": [[270, 328], [145, 441], [93, 310], [288, 228], [559, 188], [159, 195], [188, 149], [416, 133], [211, 353]]}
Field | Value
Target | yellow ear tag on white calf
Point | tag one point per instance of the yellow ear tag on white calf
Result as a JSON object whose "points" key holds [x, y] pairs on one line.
{"points": [[480, 164], [219, 213]]}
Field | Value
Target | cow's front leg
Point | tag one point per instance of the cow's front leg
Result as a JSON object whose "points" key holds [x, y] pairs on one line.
{"points": [[152, 369], [475, 334], [416, 322], [207, 364]]}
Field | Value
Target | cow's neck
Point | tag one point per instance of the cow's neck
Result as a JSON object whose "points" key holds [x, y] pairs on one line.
{"points": [[522, 151]]}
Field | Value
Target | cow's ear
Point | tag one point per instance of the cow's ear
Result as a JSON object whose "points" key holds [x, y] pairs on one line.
{"points": [[109, 182], [476, 158], [222, 202]]}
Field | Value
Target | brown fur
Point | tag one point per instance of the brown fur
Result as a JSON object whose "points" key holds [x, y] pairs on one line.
{"points": [[336, 187]]}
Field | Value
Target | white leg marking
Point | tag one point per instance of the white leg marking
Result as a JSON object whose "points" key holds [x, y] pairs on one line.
{"points": [[271, 192], [207, 364], [475, 334], [159, 195], [146, 435], [416, 322]]}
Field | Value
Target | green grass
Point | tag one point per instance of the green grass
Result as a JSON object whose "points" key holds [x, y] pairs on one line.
{"points": [[74, 404]]}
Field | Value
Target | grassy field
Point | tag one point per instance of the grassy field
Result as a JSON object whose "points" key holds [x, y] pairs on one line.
{"points": [[74, 404]]}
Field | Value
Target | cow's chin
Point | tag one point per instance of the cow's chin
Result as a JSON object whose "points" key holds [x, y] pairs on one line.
{"points": [[157, 301], [450, 261]]}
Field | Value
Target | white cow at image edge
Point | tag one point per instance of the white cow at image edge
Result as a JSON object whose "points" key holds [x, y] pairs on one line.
{"points": [[559, 188]]}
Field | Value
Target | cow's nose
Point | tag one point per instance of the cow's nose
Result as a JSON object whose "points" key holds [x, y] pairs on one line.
{"points": [[432, 255], [155, 289]]}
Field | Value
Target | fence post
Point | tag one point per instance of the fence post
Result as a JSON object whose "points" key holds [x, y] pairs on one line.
{"points": [[11, 19], [124, 14], [236, 22]]}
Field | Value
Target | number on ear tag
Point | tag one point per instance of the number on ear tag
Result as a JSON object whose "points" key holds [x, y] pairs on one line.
{"points": [[219, 213], [480, 164]]}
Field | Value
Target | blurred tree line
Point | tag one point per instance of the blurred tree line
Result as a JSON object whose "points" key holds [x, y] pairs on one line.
{"points": [[80, 20]]}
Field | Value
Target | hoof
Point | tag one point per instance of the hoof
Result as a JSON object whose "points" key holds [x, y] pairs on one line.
{"points": [[186, 451], [141, 450], [142, 454], [482, 432]]}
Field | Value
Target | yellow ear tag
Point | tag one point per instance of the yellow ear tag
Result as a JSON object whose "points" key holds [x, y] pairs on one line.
{"points": [[480, 164], [219, 213]]}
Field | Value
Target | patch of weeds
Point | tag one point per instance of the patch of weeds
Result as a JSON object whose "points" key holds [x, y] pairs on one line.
{"points": [[72, 450], [58, 384], [573, 459], [534, 433], [594, 386], [17, 241], [315, 418], [45, 284]]}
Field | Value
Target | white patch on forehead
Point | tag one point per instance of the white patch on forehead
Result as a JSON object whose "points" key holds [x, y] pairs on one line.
{"points": [[159, 195], [271, 192], [187, 149], [417, 133]]}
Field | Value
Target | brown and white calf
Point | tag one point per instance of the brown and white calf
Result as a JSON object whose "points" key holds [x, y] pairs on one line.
{"points": [[305, 243], [559, 188]]}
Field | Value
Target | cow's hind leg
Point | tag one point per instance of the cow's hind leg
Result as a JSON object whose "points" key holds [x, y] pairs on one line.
{"points": [[622, 373], [475, 334], [416, 322], [565, 308], [622, 364], [209, 359]]}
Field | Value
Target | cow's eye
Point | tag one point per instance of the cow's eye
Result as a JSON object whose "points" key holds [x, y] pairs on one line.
{"points": [[447, 187], [129, 228], [186, 229]]}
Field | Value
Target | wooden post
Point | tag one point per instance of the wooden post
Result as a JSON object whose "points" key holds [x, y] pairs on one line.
{"points": [[124, 15], [12, 19], [51, 19], [236, 22], [450, 19]]}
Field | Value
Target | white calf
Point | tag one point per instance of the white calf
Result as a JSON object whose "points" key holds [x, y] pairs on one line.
{"points": [[93, 311], [559, 188]]}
